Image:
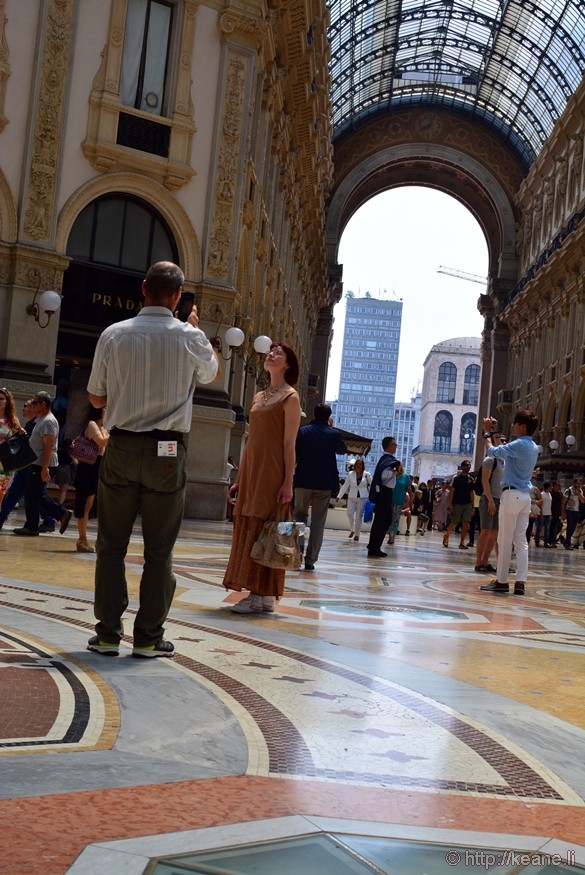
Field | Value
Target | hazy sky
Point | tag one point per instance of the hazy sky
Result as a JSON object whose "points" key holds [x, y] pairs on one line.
{"points": [[392, 247]]}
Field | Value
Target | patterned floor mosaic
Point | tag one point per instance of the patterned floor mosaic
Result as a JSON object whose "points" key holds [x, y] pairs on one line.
{"points": [[392, 688]]}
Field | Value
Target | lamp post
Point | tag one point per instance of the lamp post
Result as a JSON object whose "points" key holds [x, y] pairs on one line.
{"points": [[252, 352]]}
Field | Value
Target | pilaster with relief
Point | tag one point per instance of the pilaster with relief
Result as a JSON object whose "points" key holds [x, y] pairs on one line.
{"points": [[4, 65], [45, 143]]}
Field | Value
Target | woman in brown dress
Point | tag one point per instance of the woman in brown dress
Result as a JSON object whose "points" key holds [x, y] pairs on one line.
{"points": [[265, 480]]}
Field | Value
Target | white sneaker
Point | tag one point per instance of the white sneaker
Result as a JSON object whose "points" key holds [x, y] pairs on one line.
{"points": [[252, 604], [268, 604]]}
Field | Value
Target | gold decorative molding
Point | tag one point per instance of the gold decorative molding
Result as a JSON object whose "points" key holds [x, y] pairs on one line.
{"points": [[46, 138], [246, 28]]}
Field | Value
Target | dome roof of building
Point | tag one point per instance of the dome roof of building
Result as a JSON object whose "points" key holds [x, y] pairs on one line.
{"points": [[459, 342], [511, 65]]}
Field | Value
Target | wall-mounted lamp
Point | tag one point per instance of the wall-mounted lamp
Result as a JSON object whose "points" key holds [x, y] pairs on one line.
{"points": [[253, 358], [48, 303], [570, 441], [554, 445], [540, 449]]}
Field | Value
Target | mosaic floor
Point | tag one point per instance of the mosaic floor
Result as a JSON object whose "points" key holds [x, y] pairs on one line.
{"points": [[388, 695]]}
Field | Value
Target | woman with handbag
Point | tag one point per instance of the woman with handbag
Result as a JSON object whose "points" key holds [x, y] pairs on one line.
{"points": [[86, 479], [357, 484], [264, 481], [9, 425]]}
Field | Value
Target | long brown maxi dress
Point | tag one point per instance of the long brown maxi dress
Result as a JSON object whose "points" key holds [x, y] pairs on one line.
{"points": [[261, 476]]}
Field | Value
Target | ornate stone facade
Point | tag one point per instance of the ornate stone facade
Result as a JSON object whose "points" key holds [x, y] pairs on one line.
{"points": [[240, 189], [545, 313]]}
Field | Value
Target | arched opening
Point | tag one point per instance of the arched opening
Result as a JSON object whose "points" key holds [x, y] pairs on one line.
{"points": [[442, 432], [392, 248], [112, 243]]}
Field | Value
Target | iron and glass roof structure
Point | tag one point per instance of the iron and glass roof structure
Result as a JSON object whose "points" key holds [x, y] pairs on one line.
{"points": [[511, 63]]}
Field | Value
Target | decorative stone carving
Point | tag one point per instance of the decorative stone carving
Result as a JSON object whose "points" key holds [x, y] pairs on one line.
{"points": [[227, 162], [244, 26], [46, 137], [4, 65]]}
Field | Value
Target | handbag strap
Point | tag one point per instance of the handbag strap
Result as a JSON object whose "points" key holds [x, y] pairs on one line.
{"points": [[283, 512]]}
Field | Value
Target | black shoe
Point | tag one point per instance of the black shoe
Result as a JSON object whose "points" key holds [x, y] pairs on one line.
{"points": [[519, 589], [489, 569], [496, 587], [45, 527], [103, 647], [479, 569], [161, 648], [376, 554], [64, 521], [28, 533], [309, 566]]}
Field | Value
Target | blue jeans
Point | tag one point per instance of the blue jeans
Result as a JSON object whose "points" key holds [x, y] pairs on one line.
{"points": [[543, 529], [16, 493]]}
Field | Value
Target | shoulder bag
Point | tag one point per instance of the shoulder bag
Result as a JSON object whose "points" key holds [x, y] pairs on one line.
{"points": [[83, 449], [278, 543], [16, 453]]}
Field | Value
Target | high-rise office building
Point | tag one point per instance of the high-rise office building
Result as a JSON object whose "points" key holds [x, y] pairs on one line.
{"points": [[368, 369]]}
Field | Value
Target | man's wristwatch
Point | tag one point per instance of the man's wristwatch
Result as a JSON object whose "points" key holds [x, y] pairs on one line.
{"points": [[488, 434]]}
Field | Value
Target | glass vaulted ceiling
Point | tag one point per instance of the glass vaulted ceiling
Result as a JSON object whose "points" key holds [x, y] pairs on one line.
{"points": [[513, 63]]}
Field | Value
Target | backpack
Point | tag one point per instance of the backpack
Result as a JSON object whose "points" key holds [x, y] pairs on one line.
{"points": [[478, 487]]}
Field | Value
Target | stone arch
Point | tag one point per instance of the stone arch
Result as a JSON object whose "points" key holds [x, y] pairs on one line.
{"points": [[444, 168], [538, 414], [579, 408], [8, 214], [156, 195], [551, 409], [564, 414]]}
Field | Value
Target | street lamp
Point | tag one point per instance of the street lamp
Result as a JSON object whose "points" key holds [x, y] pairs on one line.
{"points": [[554, 445], [570, 441]]}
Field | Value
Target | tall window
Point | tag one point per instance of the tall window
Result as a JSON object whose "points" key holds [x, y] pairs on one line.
{"points": [[146, 51], [446, 383], [442, 432], [467, 434], [471, 385]]}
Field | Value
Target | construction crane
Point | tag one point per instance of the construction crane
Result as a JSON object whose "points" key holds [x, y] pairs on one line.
{"points": [[471, 277]]}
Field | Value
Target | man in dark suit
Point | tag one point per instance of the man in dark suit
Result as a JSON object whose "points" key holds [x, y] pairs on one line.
{"points": [[316, 476], [381, 494], [429, 502]]}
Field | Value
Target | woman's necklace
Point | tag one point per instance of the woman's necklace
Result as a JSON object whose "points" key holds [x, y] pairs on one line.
{"points": [[270, 393]]}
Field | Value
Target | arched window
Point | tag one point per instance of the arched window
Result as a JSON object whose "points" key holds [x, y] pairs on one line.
{"points": [[112, 243], [442, 432], [471, 385], [446, 383], [121, 232], [467, 433]]}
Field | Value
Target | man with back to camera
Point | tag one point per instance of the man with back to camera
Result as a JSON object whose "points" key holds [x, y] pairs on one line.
{"points": [[316, 476], [520, 457], [144, 371], [381, 491]]}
